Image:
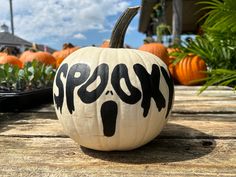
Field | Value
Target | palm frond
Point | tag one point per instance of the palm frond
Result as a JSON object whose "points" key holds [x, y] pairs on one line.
{"points": [[221, 77], [214, 53], [221, 16]]}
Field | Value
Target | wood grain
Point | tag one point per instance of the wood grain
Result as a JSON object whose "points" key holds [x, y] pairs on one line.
{"points": [[61, 156]]}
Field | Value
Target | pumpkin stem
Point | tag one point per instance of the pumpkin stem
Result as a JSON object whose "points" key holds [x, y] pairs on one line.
{"points": [[31, 50], [67, 45], [118, 32]]}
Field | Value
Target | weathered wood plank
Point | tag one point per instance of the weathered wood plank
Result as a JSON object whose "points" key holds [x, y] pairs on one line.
{"points": [[204, 116], [179, 126], [182, 87], [215, 107], [190, 98], [214, 94], [192, 92], [165, 157]]}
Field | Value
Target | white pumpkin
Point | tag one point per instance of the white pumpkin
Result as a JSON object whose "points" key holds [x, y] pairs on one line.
{"points": [[112, 99]]}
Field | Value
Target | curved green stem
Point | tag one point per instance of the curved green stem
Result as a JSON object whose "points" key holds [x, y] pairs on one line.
{"points": [[118, 32]]}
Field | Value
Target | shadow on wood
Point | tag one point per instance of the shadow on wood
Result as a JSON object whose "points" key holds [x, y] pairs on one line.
{"points": [[23, 121], [162, 149]]}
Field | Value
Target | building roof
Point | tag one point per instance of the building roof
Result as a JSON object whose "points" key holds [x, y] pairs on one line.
{"points": [[7, 38], [42, 47]]}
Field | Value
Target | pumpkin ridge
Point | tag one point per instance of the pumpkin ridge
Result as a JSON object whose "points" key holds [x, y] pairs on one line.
{"points": [[185, 70], [120, 103], [98, 109], [189, 69], [144, 64], [194, 69], [75, 125], [101, 129]]}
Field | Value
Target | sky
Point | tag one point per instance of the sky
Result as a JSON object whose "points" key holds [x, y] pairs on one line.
{"points": [[80, 22]]}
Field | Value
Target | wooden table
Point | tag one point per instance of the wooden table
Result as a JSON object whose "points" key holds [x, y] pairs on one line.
{"points": [[199, 140]]}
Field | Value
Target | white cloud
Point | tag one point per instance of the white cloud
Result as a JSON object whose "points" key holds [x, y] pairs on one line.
{"points": [[80, 36], [36, 20]]}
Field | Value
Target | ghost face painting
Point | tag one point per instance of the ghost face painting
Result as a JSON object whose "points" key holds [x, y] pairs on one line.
{"points": [[111, 99]]}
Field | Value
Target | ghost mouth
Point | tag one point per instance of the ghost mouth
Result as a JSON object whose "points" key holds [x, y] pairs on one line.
{"points": [[109, 116]]}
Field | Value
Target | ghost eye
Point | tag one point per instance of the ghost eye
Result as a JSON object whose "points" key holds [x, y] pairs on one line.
{"points": [[121, 83], [94, 85]]}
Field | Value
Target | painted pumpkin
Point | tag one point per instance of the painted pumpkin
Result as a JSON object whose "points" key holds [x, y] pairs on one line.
{"points": [[60, 55], [188, 70], [11, 60], [44, 57], [157, 49], [113, 98]]}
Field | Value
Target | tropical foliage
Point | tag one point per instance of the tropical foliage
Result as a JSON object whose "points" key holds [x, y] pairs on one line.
{"points": [[217, 46]]}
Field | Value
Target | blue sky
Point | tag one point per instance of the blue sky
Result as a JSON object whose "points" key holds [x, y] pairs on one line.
{"points": [[81, 22]]}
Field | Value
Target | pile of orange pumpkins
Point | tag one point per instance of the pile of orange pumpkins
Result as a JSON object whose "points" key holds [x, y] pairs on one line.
{"points": [[32, 54], [27, 56]]}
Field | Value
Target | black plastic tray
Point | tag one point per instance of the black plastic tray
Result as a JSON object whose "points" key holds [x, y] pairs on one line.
{"points": [[20, 100]]}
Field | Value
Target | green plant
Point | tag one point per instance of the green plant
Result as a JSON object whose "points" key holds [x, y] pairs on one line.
{"points": [[33, 75], [161, 30], [217, 46], [223, 77]]}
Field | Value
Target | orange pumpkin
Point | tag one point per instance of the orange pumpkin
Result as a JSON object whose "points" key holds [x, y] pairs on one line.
{"points": [[2, 54], [105, 44], [189, 69], [170, 50], [157, 49], [11, 60], [60, 55], [43, 57], [171, 66]]}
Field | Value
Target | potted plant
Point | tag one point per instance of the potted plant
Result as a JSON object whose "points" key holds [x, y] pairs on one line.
{"points": [[25, 87]]}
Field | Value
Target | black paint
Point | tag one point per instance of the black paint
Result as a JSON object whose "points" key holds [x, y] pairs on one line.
{"points": [[150, 87], [109, 91], [109, 112], [121, 71], [60, 98], [89, 97], [170, 84], [73, 82]]}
